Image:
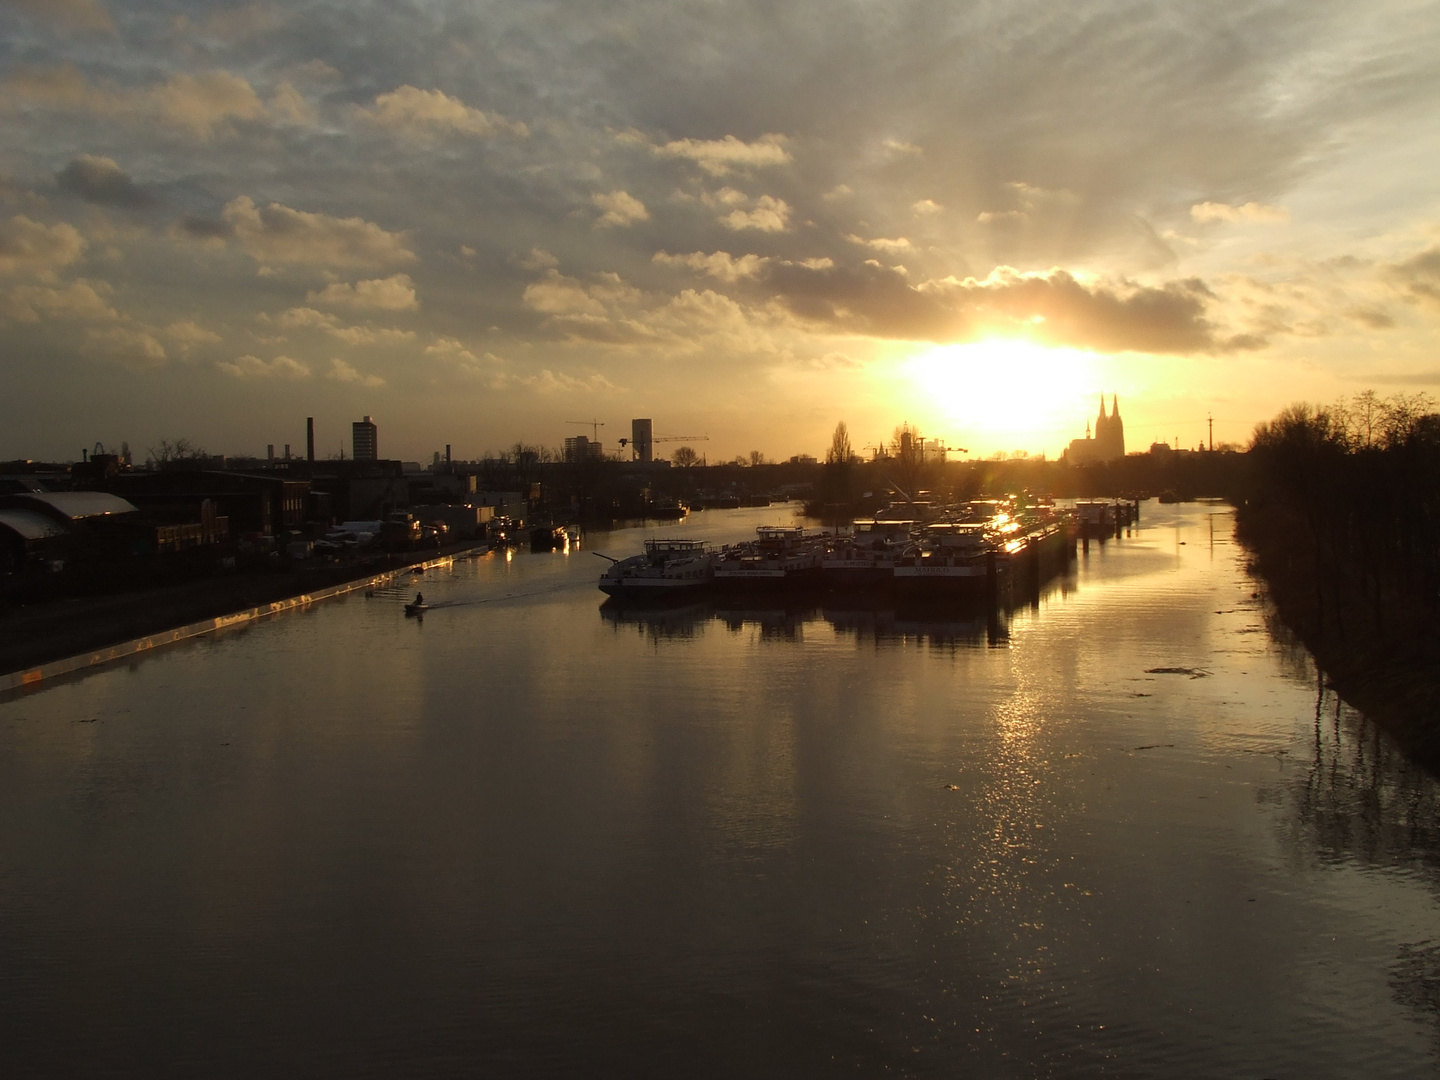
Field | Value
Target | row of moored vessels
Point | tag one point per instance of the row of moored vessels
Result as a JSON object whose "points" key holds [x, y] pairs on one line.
{"points": [[974, 552]]}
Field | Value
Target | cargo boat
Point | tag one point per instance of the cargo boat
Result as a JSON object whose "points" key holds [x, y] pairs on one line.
{"points": [[950, 561], [667, 569], [780, 556], [866, 560]]}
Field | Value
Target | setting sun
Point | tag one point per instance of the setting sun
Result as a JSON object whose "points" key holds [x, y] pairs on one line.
{"points": [[1002, 394]]}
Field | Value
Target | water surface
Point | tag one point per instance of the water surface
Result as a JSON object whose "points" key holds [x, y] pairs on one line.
{"points": [[532, 836]]}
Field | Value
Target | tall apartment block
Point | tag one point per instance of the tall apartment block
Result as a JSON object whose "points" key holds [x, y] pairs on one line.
{"points": [[365, 440]]}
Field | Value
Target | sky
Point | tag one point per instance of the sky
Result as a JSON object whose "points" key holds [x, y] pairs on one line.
{"points": [[482, 222]]}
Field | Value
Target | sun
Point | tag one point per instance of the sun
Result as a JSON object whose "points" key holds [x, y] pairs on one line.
{"points": [[999, 394]]}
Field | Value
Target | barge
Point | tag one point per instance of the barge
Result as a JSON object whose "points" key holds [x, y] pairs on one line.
{"points": [[667, 570], [980, 553]]}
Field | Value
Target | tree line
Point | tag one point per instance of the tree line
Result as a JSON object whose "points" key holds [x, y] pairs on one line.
{"points": [[1342, 514]]}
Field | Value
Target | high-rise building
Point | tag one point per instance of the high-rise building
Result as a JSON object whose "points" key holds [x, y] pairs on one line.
{"points": [[583, 448], [365, 442], [642, 440]]}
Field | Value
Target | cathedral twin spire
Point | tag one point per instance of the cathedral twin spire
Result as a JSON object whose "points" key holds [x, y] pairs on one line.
{"points": [[1108, 442], [1109, 431]]}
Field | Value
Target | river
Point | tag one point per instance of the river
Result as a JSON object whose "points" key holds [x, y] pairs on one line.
{"points": [[528, 836]]}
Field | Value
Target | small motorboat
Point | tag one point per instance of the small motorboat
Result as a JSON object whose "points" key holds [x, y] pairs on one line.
{"points": [[418, 606]]}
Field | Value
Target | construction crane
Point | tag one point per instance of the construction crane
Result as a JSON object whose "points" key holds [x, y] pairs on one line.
{"points": [[671, 438], [594, 426]]}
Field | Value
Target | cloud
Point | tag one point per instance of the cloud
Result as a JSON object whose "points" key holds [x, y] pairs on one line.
{"points": [[198, 104], [133, 348], [30, 247], [899, 146], [620, 209], [1053, 308], [77, 300], [539, 259], [306, 319], [252, 367], [453, 349], [310, 319], [1372, 318], [766, 214], [1250, 211], [100, 180], [926, 206], [556, 294], [187, 334], [342, 372], [990, 217], [1418, 276], [547, 381], [1402, 378], [62, 87], [88, 15], [394, 293], [288, 104], [879, 243], [719, 264], [232, 24], [1031, 201], [410, 110], [720, 157], [278, 234]]}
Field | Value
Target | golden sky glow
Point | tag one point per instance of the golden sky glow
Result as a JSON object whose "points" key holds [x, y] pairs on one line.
{"points": [[476, 221], [1000, 389]]}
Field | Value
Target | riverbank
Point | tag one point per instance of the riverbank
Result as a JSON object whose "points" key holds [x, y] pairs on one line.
{"points": [[1377, 646], [37, 635]]}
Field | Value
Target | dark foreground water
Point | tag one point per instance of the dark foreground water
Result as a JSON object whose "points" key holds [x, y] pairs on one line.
{"points": [[532, 837]]}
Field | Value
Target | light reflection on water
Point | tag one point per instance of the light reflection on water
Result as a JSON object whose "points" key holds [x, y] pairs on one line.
{"points": [[531, 835]]}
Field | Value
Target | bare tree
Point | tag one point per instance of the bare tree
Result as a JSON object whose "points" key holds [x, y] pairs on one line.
{"points": [[1400, 415], [907, 453], [840, 452], [176, 452], [1364, 416], [685, 457]]}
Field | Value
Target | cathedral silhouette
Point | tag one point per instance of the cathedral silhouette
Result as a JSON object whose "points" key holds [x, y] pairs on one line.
{"points": [[1108, 442]]}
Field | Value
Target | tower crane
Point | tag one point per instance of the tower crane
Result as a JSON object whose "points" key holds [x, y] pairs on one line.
{"points": [[671, 438], [594, 426]]}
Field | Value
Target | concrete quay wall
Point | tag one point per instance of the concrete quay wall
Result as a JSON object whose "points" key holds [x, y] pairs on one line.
{"points": [[34, 676]]}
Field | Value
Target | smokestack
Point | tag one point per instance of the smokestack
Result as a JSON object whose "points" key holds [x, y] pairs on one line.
{"points": [[270, 452], [287, 451], [310, 439], [447, 453]]}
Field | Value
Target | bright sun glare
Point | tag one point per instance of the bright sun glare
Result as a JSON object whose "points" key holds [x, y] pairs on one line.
{"points": [[1002, 394]]}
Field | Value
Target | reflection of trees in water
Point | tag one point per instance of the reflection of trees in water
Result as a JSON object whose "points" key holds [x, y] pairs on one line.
{"points": [[1362, 800], [1361, 797], [1415, 979]]}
